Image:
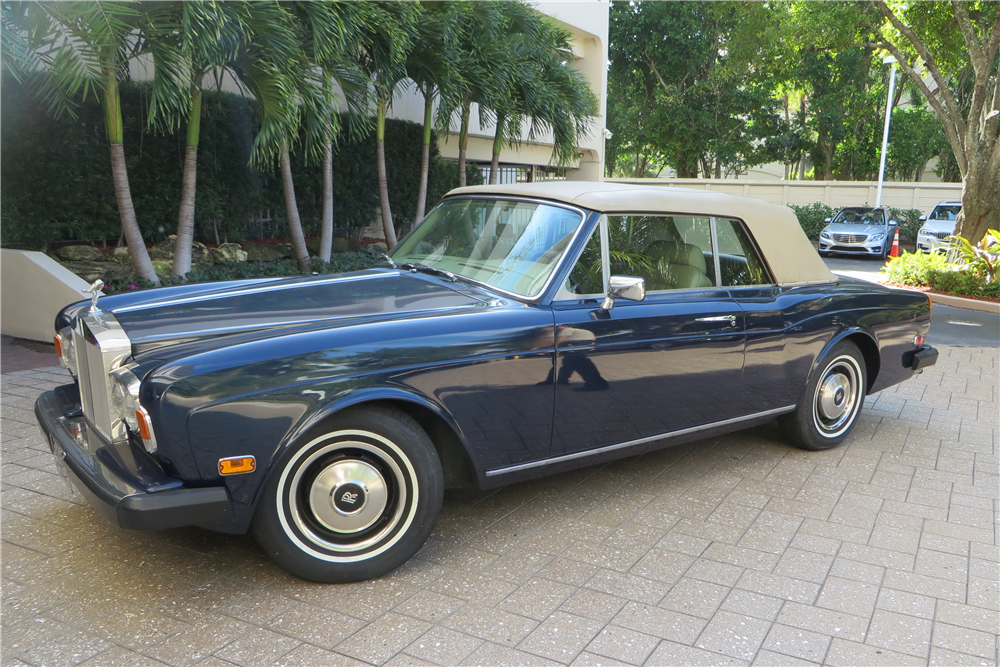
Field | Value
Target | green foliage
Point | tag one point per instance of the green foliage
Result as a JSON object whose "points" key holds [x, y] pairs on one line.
{"points": [[909, 222], [982, 259], [813, 218], [914, 269], [57, 183], [964, 283], [339, 263], [917, 136], [673, 91]]}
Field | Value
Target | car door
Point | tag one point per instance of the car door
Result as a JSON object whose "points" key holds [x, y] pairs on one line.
{"points": [[669, 363]]}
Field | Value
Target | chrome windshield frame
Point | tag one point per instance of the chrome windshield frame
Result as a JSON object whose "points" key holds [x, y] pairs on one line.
{"points": [[556, 266]]}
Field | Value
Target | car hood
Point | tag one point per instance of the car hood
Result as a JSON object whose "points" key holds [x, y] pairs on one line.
{"points": [[255, 309], [938, 225], [845, 228]]}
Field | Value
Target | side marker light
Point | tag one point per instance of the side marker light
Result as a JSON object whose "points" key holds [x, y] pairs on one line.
{"points": [[237, 465]]}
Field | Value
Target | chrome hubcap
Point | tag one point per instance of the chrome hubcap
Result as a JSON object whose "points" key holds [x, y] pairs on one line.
{"points": [[348, 496], [833, 395], [838, 396]]}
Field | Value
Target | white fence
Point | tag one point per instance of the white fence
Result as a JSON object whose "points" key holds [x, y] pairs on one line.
{"points": [[922, 196]]}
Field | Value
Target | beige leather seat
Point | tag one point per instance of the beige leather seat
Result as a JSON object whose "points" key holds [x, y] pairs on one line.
{"points": [[683, 265]]}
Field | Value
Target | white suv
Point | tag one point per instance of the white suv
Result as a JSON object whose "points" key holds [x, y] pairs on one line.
{"points": [[938, 226]]}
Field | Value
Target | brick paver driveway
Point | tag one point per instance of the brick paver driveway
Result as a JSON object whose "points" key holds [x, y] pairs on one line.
{"points": [[728, 551]]}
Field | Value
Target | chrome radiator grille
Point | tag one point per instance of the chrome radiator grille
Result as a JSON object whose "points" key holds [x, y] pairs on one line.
{"points": [[850, 238], [101, 346]]}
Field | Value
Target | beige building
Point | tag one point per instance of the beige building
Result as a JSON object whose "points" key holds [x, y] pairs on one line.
{"points": [[587, 20]]}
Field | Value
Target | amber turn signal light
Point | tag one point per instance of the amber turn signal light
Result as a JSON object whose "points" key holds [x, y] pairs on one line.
{"points": [[58, 342], [143, 421], [236, 465]]}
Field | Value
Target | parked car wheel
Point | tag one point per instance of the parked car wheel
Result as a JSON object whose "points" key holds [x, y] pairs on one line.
{"points": [[833, 398], [355, 500]]}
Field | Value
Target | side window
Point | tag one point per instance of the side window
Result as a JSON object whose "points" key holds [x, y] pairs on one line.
{"points": [[587, 276], [669, 252], [739, 262]]}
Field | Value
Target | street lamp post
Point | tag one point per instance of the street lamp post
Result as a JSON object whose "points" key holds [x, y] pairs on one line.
{"points": [[885, 129]]}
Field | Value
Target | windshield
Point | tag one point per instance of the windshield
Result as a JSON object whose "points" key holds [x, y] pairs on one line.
{"points": [[945, 212], [511, 245], [859, 216]]}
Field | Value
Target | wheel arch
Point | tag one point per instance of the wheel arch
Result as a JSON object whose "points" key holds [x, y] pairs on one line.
{"points": [[869, 350], [443, 431]]}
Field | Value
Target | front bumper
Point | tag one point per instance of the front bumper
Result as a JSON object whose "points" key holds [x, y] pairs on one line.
{"points": [[929, 243], [123, 483], [876, 248]]}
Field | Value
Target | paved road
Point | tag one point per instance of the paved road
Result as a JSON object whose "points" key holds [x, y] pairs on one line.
{"points": [[949, 326]]}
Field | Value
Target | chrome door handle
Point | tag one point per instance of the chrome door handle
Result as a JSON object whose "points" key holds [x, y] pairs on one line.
{"points": [[721, 318]]}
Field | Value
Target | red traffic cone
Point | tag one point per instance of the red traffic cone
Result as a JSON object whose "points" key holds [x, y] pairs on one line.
{"points": [[895, 245]]}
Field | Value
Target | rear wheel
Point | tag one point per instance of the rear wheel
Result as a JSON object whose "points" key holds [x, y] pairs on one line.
{"points": [[355, 500], [830, 405]]}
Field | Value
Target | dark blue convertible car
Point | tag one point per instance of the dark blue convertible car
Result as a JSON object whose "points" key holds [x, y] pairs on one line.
{"points": [[517, 331]]}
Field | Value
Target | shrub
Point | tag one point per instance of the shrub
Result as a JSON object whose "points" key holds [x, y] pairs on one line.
{"points": [[812, 218], [909, 222], [914, 269], [963, 283], [57, 174]]}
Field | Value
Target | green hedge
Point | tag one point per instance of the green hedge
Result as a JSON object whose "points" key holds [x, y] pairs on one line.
{"points": [[932, 270], [56, 175]]}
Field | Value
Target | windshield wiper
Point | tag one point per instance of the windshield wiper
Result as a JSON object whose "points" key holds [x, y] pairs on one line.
{"points": [[429, 269]]}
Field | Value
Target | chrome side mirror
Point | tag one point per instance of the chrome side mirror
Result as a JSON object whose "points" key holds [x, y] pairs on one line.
{"points": [[624, 287], [922, 218], [893, 222], [827, 219]]}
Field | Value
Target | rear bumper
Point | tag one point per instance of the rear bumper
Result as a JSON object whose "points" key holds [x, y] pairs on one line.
{"points": [[123, 485], [920, 358]]}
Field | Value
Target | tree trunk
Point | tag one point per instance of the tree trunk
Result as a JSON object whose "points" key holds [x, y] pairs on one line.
{"points": [[383, 184], [425, 157], [119, 173], [292, 212], [189, 181], [980, 194], [326, 230], [463, 144], [497, 147]]}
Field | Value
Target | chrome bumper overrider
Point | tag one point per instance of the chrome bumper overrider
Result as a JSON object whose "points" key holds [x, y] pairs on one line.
{"points": [[121, 481]]}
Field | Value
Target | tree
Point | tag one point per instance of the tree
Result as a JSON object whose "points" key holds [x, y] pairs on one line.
{"points": [[85, 47], [692, 81], [938, 41], [209, 33], [384, 47], [332, 37], [540, 88]]}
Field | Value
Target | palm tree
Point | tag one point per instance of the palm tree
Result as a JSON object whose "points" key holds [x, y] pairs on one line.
{"points": [[332, 36], [209, 33], [479, 51], [385, 45], [86, 47], [431, 65], [541, 88]]}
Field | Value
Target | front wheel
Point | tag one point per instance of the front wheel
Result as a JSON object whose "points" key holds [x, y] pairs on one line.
{"points": [[833, 398], [355, 500]]}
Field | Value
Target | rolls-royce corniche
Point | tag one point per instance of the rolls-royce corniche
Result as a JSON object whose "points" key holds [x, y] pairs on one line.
{"points": [[517, 331]]}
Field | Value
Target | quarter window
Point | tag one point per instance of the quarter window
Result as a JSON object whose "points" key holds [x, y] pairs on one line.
{"points": [[739, 262]]}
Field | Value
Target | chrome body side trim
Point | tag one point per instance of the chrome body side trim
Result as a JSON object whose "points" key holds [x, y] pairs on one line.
{"points": [[631, 443]]}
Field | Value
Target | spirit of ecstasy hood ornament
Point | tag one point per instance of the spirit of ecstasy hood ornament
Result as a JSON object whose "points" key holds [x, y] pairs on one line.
{"points": [[94, 291]]}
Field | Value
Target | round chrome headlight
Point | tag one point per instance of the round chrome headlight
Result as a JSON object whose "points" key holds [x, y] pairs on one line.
{"points": [[125, 397]]}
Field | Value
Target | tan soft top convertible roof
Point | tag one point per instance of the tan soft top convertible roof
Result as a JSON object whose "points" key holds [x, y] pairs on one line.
{"points": [[791, 256]]}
